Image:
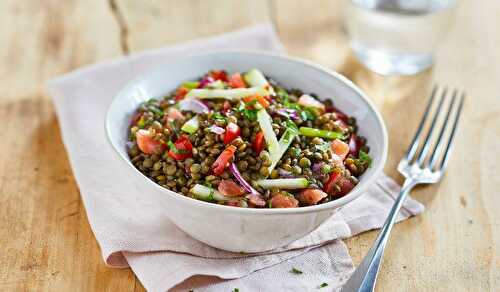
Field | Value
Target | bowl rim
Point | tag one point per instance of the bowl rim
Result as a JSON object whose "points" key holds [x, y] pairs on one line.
{"points": [[351, 196]]}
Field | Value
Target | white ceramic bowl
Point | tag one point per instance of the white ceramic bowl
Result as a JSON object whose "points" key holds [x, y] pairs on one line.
{"points": [[247, 229]]}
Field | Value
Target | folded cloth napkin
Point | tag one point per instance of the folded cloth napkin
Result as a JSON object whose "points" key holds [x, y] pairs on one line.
{"points": [[132, 229]]}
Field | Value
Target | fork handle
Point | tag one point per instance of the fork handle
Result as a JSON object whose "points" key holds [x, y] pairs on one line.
{"points": [[364, 277]]}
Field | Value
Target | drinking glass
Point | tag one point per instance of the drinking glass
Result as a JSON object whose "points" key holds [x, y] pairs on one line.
{"points": [[397, 36]]}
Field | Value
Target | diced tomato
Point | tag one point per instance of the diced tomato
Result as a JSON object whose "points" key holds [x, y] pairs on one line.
{"points": [[311, 196], [354, 145], [218, 75], [180, 93], [340, 149], [147, 144], [226, 107], [229, 188], [174, 114], [330, 184], [223, 160], [309, 101], [261, 100], [284, 201], [183, 149], [256, 200], [236, 81], [232, 131], [258, 142]]}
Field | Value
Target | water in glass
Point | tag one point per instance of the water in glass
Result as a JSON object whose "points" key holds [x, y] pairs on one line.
{"points": [[396, 36]]}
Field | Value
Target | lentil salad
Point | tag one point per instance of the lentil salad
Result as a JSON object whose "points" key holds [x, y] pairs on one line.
{"points": [[243, 140]]}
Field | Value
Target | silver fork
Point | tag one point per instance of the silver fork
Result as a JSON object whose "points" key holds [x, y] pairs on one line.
{"points": [[423, 167]]}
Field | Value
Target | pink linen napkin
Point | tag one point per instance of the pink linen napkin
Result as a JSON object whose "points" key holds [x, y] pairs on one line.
{"points": [[132, 229]]}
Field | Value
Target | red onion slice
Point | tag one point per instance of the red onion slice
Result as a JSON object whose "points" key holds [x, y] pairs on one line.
{"points": [[285, 174], [193, 105], [216, 129], [244, 184], [288, 113], [317, 166]]}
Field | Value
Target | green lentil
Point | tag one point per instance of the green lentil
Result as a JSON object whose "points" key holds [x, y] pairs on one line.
{"points": [[264, 171], [296, 170], [171, 169], [147, 163], [304, 162]]}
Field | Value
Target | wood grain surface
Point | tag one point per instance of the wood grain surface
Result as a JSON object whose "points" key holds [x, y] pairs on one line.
{"points": [[45, 240]]}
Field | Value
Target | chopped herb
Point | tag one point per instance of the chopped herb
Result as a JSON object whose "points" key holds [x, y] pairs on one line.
{"points": [[308, 114], [250, 114], [141, 123], [296, 271], [236, 290], [172, 126], [365, 159], [323, 147], [219, 117], [292, 127], [156, 111], [281, 93], [211, 195], [323, 285]]}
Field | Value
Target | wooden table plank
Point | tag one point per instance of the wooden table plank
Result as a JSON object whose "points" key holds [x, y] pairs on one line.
{"points": [[45, 238], [159, 23]]}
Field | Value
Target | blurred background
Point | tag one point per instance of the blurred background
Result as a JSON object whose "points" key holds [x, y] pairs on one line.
{"points": [[53, 245]]}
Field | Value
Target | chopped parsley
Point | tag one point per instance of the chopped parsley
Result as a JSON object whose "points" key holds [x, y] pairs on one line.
{"points": [[323, 285], [235, 290], [141, 123], [155, 110], [307, 114], [296, 271], [219, 117], [323, 147], [281, 93], [292, 127], [250, 114]]}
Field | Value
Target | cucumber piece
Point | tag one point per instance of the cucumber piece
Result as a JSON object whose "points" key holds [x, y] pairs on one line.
{"points": [[191, 126], [283, 145], [284, 183], [265, 123], [204, 193], [231, 94], [312, 132], [255, 78]]}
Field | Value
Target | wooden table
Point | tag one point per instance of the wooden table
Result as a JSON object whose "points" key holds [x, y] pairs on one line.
{"points": [[45, 239]]}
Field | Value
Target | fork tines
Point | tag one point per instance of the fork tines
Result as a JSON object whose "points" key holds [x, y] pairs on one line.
{"points": [[436, 158]]}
